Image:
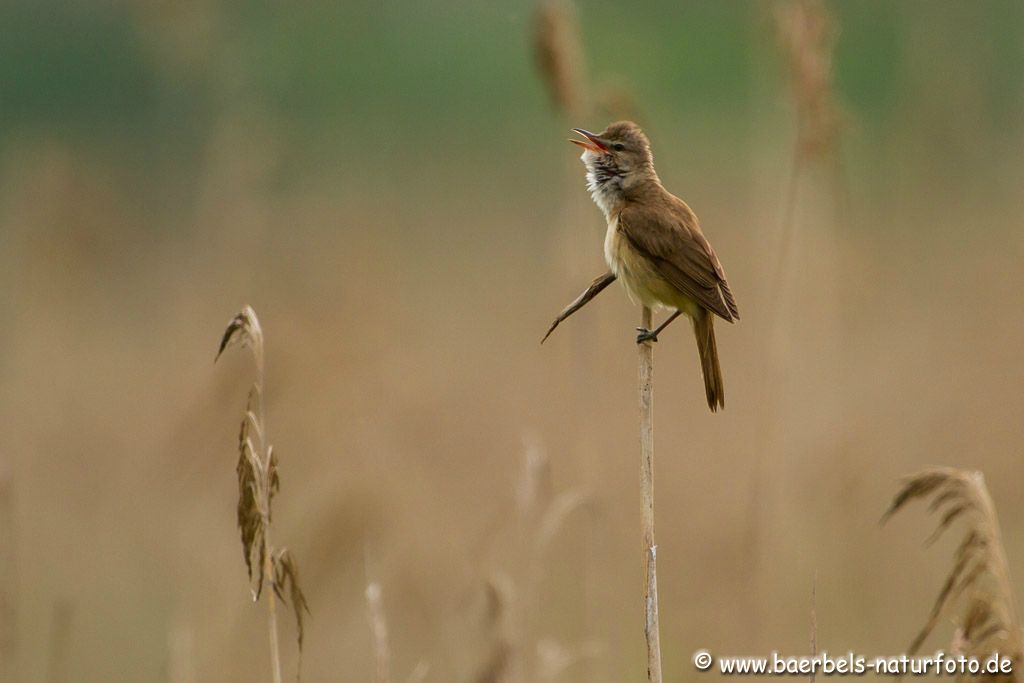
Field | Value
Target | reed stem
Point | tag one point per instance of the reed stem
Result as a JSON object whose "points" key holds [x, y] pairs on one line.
{"points": [[268, 569], [651, 628]]}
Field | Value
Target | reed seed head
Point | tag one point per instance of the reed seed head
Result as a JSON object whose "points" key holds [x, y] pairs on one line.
{"points": [[258, 482], [556, 47], [979, 580], [807, 34]]}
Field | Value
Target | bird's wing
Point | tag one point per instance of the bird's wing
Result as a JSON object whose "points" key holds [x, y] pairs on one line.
{"points": [[680, 253]]}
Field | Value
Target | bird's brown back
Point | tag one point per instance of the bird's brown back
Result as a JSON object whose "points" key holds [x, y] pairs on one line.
{"points": [[663, 228]]}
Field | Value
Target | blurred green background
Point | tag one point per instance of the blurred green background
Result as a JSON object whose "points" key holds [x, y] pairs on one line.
{"points": [[390, 187], [349, 87]]}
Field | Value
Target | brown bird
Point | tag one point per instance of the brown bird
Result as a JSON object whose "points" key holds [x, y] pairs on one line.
{"points": [[654, 244]]}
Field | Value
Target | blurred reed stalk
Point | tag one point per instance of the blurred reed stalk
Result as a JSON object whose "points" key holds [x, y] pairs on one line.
{"points": [[499, 665], [651, 627], [534, 495], [806, 33], [814, 621], [980, 578], [8, 584], [180, 653], [258, 481], [378, 621], [560, 59], [518, 650], [558, 55], [379, 629], [543, 517]]}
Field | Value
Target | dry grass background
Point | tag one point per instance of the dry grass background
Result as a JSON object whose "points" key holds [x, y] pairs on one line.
{"points": [[405, 378]]}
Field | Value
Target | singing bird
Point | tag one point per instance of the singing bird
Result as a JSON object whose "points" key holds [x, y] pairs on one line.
{"points": [[654, 244]]}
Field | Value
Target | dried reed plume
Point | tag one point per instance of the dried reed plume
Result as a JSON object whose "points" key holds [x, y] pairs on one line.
{"points": [[258, 481], [807, 34], [979, 580], [556, 47]]}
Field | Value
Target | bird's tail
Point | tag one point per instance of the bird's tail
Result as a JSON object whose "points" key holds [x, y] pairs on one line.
{"points": [[704, 329]]}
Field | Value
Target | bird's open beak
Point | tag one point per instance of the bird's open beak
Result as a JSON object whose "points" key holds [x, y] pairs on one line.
{"points": [[592, 142]]}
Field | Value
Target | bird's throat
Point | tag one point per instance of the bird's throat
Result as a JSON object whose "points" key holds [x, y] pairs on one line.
{"points": [[605, 182]]}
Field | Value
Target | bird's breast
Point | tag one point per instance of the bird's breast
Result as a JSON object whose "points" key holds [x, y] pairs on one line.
{"points": [[612, 245], [639, 276], [624, 263]]}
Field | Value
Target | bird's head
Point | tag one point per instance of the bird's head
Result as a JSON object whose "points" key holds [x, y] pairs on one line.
{"points": [[622, 145], [617, 158]]}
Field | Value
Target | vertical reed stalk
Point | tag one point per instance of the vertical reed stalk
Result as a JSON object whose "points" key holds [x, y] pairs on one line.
{"points": [[180, 651], [651, 629], [268, 570], [814, 621], [8, 583], [379, 630], [264, 508]]}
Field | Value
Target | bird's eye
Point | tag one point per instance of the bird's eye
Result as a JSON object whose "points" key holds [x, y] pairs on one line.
{"points": [[618, 147]]}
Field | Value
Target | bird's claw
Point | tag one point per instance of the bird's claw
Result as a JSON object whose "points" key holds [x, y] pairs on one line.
{"points": [[645, 335]]}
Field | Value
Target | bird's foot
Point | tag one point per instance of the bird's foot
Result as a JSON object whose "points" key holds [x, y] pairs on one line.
{"points": [[646, 335]]}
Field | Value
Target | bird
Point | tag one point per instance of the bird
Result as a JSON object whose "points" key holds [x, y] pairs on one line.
{"points": [[654, 244]]}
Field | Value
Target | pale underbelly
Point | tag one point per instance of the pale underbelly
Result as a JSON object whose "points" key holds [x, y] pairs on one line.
{"points": [[643, 284]]}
